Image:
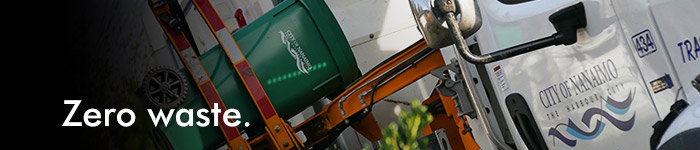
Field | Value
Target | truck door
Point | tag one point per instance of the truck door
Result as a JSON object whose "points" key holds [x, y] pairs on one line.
{"points": [[589, 95]]}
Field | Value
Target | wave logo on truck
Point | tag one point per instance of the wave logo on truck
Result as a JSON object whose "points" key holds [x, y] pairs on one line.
{"points": [[295, 50], [619, 108]]}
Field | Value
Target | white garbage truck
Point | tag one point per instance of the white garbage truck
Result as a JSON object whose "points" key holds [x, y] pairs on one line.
{"points": [[574, 74]]}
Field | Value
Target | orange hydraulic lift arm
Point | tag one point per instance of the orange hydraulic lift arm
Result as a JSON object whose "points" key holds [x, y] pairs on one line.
{"points": [[175, 31], [354, 105], [280, 133]]}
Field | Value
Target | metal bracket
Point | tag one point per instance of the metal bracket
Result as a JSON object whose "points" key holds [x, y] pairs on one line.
{"points": [[455, 88], [363, 94], [438, 140]]}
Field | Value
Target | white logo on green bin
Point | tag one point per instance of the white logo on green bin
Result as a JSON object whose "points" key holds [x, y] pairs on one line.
{"points": [[295, 50]]}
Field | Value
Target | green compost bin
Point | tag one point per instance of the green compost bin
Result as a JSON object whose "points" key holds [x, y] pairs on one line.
{"points": [[299, 54]]}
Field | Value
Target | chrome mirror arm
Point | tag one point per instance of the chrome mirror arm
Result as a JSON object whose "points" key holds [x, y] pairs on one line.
{"points": [[565, 21], [462, 46]]}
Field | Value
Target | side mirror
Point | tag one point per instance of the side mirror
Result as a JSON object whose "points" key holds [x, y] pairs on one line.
{"points": [[462, 19], [432, 24]]}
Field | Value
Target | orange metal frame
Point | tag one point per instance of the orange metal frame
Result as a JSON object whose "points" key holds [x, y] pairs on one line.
{"points": [[234, 135], [355, 100], [317, 127], [283, 137], [451, 122]]}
